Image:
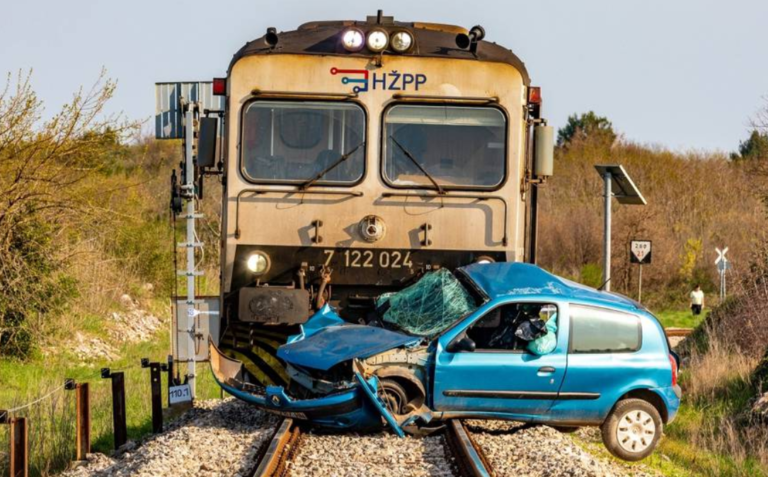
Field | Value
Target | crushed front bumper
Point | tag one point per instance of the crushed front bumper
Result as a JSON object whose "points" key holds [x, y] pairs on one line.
{"points": [[355, 408]]}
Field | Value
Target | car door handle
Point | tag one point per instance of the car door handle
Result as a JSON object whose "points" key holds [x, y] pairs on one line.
{"points": [[547, 369]]}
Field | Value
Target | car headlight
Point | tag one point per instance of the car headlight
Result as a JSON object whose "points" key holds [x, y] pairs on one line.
{"points": [[402, 41], [353, 39], [258, 263], [378, 40]]}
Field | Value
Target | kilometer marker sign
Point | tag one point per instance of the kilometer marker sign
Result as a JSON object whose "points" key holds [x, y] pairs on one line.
{"points": [[640, 251]]}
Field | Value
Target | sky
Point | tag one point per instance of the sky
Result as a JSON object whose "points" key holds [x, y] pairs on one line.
{"points": [[681, 74]]}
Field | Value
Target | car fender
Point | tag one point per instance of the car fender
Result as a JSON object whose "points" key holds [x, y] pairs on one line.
{"points": [[398, 372]]}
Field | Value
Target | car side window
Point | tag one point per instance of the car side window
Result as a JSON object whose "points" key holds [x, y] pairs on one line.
{"points": [[598, 330], [517, 327]]}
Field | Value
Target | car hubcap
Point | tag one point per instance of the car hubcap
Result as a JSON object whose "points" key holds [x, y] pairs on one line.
{"points": [[636, 431]]}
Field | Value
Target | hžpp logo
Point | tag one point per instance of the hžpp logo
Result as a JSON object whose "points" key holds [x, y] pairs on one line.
{"points": [[392, 81]]}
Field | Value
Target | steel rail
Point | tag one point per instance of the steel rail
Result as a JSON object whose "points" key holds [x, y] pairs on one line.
{"points": [[470, 457], [274, 457]]}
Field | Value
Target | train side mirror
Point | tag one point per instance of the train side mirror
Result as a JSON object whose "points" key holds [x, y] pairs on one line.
{"points": [[206, 143], [544, 152]]}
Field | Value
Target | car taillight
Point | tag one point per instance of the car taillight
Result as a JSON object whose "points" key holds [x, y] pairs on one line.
{"points": [[673, 362]]}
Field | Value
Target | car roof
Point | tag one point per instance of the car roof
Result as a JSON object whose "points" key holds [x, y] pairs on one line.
{"points": [[510, 279]]}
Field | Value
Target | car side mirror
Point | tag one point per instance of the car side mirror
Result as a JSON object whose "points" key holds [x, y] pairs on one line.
{"points": [[464, 343]]}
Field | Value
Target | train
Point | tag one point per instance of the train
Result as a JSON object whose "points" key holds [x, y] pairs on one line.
{"points": [[356, 156]]}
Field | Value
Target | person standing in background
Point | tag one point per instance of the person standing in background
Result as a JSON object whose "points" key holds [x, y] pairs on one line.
{"points": [[697, 300]]}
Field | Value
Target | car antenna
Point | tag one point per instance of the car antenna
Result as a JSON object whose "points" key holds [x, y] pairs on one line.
{"points": [[602, 287]]}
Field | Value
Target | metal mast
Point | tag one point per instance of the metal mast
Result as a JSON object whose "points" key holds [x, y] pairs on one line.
{"points": [[189, 194]]}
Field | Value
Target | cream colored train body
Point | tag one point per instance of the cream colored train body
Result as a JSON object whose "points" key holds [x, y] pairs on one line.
{"points": [[438, 171]]}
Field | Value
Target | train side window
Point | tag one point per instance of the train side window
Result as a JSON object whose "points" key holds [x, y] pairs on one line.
{"points": [[459, 147], [294, 141]]}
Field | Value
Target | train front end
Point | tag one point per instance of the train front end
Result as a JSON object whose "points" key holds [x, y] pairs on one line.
{"points": [[358, 157]]}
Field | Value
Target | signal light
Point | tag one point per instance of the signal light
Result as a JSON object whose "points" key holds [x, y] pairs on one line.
{"points": [[534, 95], [220, 86]]}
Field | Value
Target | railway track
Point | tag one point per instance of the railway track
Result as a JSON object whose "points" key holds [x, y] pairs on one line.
{"points": [[274, 457], [467, 456]]}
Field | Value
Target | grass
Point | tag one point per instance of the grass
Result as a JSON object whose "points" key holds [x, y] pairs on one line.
{"points": [[52, 431], [679, 318]]}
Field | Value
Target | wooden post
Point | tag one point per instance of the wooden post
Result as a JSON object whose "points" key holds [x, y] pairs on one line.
{"points": [[83, 421], [19, 448], [157, 397], [118, 409]]}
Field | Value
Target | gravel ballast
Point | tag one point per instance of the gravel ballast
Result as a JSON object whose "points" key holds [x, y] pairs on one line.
{"points": [[382, 454], [216, 438], [540, 451], [222, 438]]}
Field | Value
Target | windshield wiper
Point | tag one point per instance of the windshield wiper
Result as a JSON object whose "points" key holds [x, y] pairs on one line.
{"points": [[416, 162], [328, 169]]}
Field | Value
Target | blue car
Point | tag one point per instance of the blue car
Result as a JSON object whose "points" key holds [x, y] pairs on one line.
{"points": [[489, 341]]}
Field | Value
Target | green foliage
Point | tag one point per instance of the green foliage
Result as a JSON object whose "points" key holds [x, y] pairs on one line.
{"points": [[31, 284], [587, 126], [754, 148], [591, 274], [692, 250]]}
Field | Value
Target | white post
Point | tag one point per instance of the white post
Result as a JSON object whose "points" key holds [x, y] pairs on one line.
{"points": [[189, 185], [607, 232], [640, 286]]}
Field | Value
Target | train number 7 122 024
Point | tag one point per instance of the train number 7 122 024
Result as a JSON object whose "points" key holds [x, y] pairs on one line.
{"points": [[369, 258]]}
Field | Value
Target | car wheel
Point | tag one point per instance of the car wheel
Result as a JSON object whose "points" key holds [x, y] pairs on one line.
{"points": [[632, 429], [393, 396], [565, 429]]}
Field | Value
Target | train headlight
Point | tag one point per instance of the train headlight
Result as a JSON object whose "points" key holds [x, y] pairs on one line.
{"points": [[353, 39], [484, 259], [378, 40], [402, 41], [258, 263]]}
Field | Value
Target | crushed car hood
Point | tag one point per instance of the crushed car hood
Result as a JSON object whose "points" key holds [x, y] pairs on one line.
{"points": [[336, 343]]}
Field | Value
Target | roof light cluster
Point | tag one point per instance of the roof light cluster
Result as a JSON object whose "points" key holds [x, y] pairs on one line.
{"points": [[354, 40]]}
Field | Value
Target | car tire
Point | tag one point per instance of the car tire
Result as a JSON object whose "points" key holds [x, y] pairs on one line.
{"points": [[632, 429], [566, 429], [394, 396]]}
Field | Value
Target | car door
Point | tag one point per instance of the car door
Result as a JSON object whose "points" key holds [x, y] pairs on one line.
{"points": [[497, 379], [603, 362]]}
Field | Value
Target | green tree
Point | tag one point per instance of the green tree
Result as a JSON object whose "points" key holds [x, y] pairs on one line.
{"points": [[586, 126], [755, 147]]}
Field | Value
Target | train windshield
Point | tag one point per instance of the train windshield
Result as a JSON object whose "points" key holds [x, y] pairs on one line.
{"points": [[444, 147], [302, 142]]}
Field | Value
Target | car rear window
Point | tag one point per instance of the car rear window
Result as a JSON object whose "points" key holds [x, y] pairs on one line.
{"points": [[597, 330]]}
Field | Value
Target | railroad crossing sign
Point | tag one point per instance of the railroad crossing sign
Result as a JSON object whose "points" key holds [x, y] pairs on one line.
{"points": [[722, 263], [640, 251]]}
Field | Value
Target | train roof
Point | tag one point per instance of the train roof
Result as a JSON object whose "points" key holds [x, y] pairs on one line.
{"points": [[431, 41]]}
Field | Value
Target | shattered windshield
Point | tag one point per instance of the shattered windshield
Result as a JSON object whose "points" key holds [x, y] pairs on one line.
{"points": [[429, 306]]}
